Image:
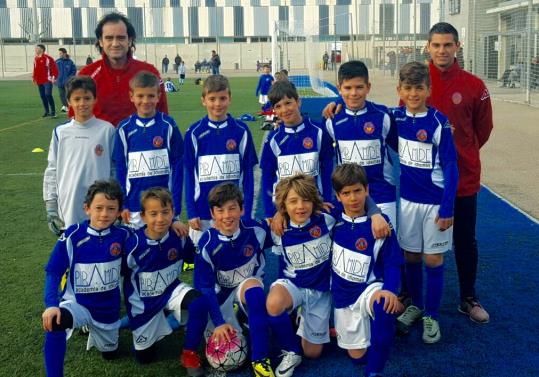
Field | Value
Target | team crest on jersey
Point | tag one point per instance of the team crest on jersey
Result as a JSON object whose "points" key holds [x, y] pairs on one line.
{"points": [[231, 145], [115, 249], [368, 128], [421, 135], [157, 142], [315, 231], [456, 98], [361, 244], [308, 143], [172, 254], [485, 94], [249, 250], [99, 149]]}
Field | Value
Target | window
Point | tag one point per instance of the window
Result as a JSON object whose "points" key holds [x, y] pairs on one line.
{"points": [[454, 6]]}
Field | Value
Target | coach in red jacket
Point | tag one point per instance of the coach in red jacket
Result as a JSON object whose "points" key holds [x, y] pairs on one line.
{"points": [[464, 98], [44, 75], [116, 41]]}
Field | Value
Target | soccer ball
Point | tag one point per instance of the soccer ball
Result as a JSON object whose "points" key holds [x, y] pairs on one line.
{"points": [[227, 356]]}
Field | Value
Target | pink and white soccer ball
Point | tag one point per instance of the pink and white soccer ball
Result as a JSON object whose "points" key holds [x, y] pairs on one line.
{"points": [[227, 356]]}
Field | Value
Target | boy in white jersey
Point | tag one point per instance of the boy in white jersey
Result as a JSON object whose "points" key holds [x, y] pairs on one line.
{"points": [[80, 153], [429, 177]]}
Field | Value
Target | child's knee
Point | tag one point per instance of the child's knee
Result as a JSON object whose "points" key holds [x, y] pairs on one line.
{"points": [[434, 260], [311, 351], [66, 321], [412, 257], [357, 353]]}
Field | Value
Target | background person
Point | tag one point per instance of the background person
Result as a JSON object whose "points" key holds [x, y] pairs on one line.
{"points": [[44, 75], [66, 69]]}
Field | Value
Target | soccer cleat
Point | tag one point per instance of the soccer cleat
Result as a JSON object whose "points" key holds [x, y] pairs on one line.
{"points": [[289, 362], [473, 309], [410, 316], [53, 115], [431, 330], [191, 361], [262, 368], [188, 266], [45, 115], [63, 109]]}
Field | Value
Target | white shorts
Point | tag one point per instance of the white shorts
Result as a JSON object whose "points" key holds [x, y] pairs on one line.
{"points": [[103, 336], [390, 210], [157, 327], [227, 308], [418, 233], [196, 234], [135, 220], [352, 324], [314, 314], [262, 99]]}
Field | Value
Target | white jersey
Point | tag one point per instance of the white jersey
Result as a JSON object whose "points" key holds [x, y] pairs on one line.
{"points": [[79, 154]]}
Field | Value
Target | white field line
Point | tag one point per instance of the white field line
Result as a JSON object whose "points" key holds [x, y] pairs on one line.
{"points": [[514, 206]]}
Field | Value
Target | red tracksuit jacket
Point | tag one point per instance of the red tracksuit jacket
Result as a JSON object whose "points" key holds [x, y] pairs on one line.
{"points": [[45, 69]]}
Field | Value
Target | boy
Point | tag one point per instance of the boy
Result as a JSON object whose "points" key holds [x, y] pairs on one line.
{"points": [[181, 72], [365, 275], [148, 149], [229, 268], [80, 153], [92, 252], [169, 86], [361, 133], [154, 261], [428, 187], [264, 84], [217, 148], [299, 146]]}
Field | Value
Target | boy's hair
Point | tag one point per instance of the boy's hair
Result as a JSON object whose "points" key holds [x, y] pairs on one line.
{"points": [[215, 83], [279, 76], [348, 175], [114, 18], [284, 72], [444, 28], [161, 194], [144, 79], [414, 73], [62, 50], [266, 66], [304, 185], [111, 189], [282, 89], [223, 193], [85, 83], [353, 69], [41, 46]]}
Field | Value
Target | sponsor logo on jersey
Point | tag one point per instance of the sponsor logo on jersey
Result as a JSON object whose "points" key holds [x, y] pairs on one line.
{"points": [[421, 135], [440, 244], [232, 278], [98, 150], [148, 163], [289, 165], [248, 251], [83, 241], [203, 134], [415, 154], [369, 128], [115, 249], [361, 244], [456, 98], [155, 283], [341, 121], [219, 167], [231, 144], [96, 277], [350, 265], [315, 231], [308, 143], [172, 254], [157, 142], [141, 339], [361, 152], [309, 254]]}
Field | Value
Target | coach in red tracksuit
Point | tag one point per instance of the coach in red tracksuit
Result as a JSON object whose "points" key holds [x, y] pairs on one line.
{"points": [[464, 98], [115, 41], [44, 75]]}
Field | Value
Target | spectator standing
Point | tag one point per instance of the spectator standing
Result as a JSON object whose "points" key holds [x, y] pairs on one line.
{"points": [[89, 60], [392, 62], [177, 61], [325, 60], [66, 69], [215, 62], [44, 75], [164, 64]]}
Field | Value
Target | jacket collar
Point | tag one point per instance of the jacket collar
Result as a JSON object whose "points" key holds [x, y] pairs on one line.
{"points": [[448, 74]]}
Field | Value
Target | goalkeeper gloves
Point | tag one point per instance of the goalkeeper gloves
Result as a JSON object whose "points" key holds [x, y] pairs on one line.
{"points": [[56, 225]]}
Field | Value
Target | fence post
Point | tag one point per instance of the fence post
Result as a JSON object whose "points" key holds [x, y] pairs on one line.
{"points": [[529, 51]]}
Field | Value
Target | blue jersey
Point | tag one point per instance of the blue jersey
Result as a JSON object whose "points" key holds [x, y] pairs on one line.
{"points": [[223, 262], [169, 87], [428, 159], [152, 273], [148, 153], [93, 258], [359, 260], [304, 251], [264, 84], [360, 137], [216, 152], [305, 148]]}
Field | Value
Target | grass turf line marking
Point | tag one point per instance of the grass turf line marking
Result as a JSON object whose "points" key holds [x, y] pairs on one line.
{"points": [[20, 174], [21, 124], [511, 204]]}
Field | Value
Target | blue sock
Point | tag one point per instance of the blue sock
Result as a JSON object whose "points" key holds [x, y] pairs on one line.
{"points": [[54, 352], [196, 323], [281, 326], [258, 323], [414, 280], [382, 334], [435, 289]]}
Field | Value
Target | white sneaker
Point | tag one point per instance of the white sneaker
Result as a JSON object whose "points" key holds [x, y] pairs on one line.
{"points": [[431, 330], [406, 320], [290, 361], [63, 109]]}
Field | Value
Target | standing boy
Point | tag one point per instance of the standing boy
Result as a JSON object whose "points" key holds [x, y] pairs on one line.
{"points": [[217, 148], [148, 149], [264, 84], [92, 253], [66, 69], [80, 153], [229, 268], [299, 146], [364, 296], [44, 75], [429, 179]]}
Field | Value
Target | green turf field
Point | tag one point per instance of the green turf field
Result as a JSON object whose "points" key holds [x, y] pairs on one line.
{"points": [[25, 241]]}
